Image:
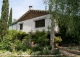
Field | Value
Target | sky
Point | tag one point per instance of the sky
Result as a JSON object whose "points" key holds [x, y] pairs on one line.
{"points": [[19, 7]]}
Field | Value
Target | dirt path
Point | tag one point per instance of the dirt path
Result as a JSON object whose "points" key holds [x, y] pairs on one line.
{"points": [[68, 53]]}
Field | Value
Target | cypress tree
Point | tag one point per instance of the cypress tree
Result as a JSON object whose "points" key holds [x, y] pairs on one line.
{"points": [[4, 18], [0, 29], [10, 17]]}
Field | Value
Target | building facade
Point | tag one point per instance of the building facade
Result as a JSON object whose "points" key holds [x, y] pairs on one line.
{"points": [[33, 20]]}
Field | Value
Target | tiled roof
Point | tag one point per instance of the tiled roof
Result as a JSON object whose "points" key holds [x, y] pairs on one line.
{"points": [[43, 11]]}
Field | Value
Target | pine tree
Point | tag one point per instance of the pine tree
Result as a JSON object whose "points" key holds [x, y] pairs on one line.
{"points": [[4, 18], [10, 17]]}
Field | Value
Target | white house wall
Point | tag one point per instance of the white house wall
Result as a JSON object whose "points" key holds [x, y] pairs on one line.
{"points": [[10, 27], [29, 25], [13, 27]]}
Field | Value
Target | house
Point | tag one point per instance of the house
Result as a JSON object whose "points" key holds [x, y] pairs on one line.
{"points": [[33, 20]]}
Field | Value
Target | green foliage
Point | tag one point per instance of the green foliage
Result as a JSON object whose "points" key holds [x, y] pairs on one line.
{"points": [[45, 51], [5, 44], [16, 39], [57, 39], [40, 37], [67, 15], [29, 51], [12, 41], [56, 52], [4, 18], [13, 34], [18, 45], [10, 17], [36, 53], [36, 48], [27, 40]]}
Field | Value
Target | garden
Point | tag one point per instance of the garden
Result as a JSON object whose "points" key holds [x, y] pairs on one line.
{"points": [[17, 43]]}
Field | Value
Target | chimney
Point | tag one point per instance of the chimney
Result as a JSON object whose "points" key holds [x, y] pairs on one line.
{"points": [[30, 7]]}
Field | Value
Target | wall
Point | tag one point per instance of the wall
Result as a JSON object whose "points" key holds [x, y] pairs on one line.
{"points": [[13, 27], [29, 25]]}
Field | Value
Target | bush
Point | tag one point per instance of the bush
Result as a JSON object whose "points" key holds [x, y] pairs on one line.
{"points": [[13, 34], [29, 51], [5, 44], [36, 53], [45, 51], [57, 39], [17, 40], [36, 48], [27, 40], [18, 45], [12, 40], [40, 37]]}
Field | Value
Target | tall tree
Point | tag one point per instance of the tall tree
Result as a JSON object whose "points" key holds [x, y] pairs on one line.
{"points": [[67, 14], [52, 17], [10, 17], [4, 17], [0, 29]]}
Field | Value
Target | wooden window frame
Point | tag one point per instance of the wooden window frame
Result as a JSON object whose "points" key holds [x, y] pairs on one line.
{"points": [[40, 23]]}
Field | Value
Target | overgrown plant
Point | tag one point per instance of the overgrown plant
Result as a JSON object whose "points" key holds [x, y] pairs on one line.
{"points": [[12, 41], [57, 39], [40, 37], [67, 15]]}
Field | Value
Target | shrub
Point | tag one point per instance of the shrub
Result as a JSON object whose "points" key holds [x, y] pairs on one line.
{"points": [[27, 40], [18, 45], [12, 40], [45, 51], [29, 51], [57, 39], [5, 44], [40, 37], [36, 53], [36, 48], [13, 34]]}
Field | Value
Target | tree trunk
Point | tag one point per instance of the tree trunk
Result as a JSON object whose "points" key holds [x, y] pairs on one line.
{"points": [[52, 38]]}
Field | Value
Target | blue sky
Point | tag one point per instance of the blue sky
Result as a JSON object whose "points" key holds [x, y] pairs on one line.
{"points": [[21, 6]]}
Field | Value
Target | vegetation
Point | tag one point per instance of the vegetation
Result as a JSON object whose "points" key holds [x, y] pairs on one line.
{"points": [[10, 17], [67, 15], [12, 41], [4, 18], [34, 43], [37, 40], [17, 41], [57, 39]]}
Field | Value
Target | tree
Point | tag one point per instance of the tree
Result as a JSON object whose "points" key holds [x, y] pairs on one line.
{"points": [[67, 14], [10, 17], [53, 18], [4, 18], [0, 29]]}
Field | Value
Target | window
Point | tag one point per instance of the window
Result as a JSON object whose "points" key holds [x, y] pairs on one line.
{"points": [[21, 26], [40, 23]]}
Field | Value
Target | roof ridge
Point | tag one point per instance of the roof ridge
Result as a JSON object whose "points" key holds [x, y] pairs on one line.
{"points": [[32, 10], [40, 10]]}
